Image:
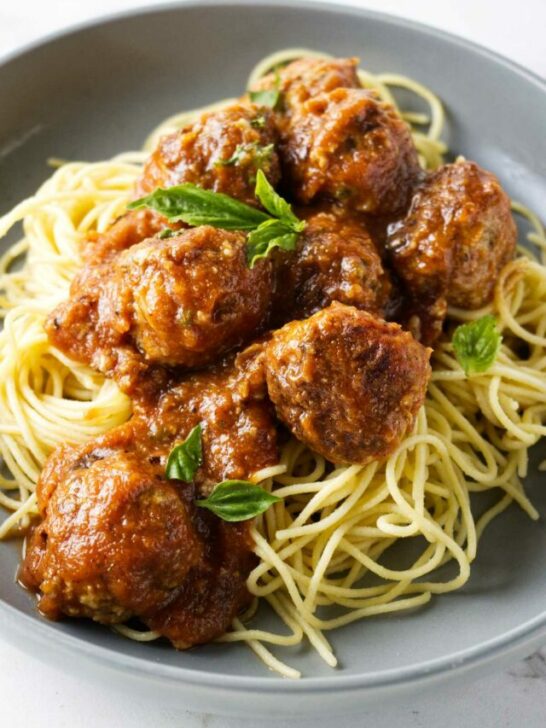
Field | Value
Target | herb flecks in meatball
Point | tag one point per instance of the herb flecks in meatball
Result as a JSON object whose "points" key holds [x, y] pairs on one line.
{"points": [[339, 141], [117, 541], [181, 302], [348, 146], [221, 151], [193, 296], [346, 383], [452, 244], [307, 77], [115, 538]]}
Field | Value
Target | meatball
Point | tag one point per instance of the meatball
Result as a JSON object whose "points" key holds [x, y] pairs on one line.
{"points": [[308, 77], [129, 229], [452, 244], [221, 151], [179, 302], [212, 596], [346, 383], [347, 145], [117, 541], [193, 296], [335, 260]]}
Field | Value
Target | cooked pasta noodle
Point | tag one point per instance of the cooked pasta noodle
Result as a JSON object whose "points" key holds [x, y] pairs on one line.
{"points": [[321, 549]]}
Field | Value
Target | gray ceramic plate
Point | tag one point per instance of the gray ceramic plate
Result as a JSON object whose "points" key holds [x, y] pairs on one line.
{"points": [[98, 90]]}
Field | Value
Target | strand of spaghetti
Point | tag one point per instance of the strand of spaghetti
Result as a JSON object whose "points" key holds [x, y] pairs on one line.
{"points": [[437, 111], [318, 499], [27, 507], [268, 658], [136, 634], [463, 460], [242, 635], [317, 639], [389, 608], [502, 416]]}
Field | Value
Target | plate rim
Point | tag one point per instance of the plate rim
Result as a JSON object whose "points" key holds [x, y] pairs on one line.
{"points": [[531, 633]]}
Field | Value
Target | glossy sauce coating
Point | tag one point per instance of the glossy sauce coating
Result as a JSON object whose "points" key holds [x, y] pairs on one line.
{"points": [[118, 541], [346, 383], [115, 539], [230, 402], [350, 147], [180, 302], [449, 249], [128, 230], [221, 151]]}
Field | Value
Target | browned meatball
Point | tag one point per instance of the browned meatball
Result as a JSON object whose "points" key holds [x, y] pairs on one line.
{"points": [[193, 296], [349, 146], [308, 77], [450, 247], [346, 383], [181, 301], [222, 151], [118, 541], [129, 229], [211, 597], [335, 260]]}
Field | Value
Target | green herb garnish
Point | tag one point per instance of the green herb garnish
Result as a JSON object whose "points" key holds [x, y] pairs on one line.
{"points": [[252, 153], [185, 459], [166, 233], [258, 122], [196, 206], [237, 500], [476, 344], [268, 97], [275, 204], [269, 235], [280, 231]]}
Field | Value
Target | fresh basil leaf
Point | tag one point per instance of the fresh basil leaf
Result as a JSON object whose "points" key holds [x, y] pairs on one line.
{"points": [[238, 500], [269, 235], [275, 204], [185, 459], [268, 97], [476, 344], [197, 206]]}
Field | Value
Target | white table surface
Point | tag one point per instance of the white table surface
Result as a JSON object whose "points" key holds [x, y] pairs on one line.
{"points": [[33, 694]]}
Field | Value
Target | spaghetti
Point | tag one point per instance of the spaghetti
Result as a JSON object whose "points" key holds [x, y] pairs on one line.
{"points": [[321, 548]]}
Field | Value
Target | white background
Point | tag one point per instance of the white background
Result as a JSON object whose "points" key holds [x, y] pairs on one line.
{"points": [[33, 695]]}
